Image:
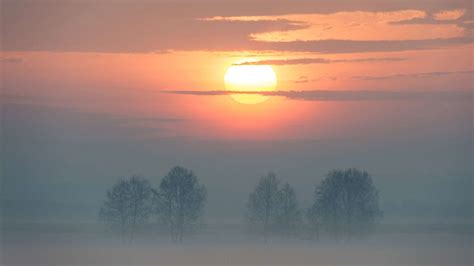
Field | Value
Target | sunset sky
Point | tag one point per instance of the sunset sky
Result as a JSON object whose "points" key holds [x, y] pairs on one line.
{"points": [[95, 90]]}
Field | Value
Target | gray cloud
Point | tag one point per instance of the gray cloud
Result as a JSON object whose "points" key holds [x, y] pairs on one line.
{"points": [[12, 60], [424, 21], [330, 95], [162, 119], [352, 46], [10, 97], [149, 122], [302, 79], [306, 61], [305, 79], [415, 75]]}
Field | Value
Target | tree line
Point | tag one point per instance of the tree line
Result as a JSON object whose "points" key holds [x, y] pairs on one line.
{"points": [[178, 203], [345, 205]]}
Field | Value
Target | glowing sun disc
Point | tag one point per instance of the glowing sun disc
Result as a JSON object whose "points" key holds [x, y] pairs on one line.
{"points": [[250, 78]]}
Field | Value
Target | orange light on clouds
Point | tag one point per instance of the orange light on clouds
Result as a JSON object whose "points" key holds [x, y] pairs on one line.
{"points": [[356, 25], [449, 14]]}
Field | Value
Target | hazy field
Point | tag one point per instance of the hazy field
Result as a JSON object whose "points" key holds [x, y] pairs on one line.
{"points": [[65, 244]]}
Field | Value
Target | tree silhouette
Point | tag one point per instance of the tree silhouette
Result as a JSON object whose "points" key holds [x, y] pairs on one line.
{"points": [[288, 215], [346, 203], [180, 201], [313, 217], [127, 205], [262, 204]]}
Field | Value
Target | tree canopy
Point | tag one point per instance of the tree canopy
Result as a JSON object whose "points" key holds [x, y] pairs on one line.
{"points": [[180, 201], [271, 209], [127, 205], [346, 203]]}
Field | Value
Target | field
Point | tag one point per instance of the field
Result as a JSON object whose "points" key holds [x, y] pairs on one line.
{"points": [[87, 244]]}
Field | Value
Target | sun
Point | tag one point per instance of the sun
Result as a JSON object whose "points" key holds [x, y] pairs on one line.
{"points": [[250, 78]]}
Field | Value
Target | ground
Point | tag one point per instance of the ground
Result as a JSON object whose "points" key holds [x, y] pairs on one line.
{"points": [[90, 245]]}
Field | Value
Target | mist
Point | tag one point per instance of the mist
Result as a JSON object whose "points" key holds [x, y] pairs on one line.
{"points": [[58, 164]]}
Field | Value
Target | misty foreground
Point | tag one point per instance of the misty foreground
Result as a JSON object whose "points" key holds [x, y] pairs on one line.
{"points": [[89, 244]]}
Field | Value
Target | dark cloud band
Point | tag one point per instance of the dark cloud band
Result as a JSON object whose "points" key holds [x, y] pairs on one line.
{"points": [[416, 75], [329, 95], [307, 61]]}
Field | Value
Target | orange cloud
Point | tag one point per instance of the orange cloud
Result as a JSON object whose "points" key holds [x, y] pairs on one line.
{"points": [[449, 14], [356, 25]]}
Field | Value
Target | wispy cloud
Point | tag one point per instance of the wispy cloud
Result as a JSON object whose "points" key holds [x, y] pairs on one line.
{"points": [[416, 75], [346, 95], [12, 60], [306, 61], [305, 79], [449, 14], [360, 25], [153, 119], [457, 17], [352, 46], [8, 97]]}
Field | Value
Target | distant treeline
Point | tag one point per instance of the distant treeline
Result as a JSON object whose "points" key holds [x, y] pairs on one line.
{"points": [[345, 205]]}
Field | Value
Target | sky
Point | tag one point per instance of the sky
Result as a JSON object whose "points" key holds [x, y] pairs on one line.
{"points": [[93, 91]]}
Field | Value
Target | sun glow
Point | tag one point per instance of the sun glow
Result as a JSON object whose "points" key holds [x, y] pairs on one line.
{"points": [[250, 78]]}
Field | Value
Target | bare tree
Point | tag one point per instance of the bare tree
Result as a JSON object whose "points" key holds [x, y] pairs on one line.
{"points": [[314, 221], [262, 204], [346, 203], [141, 202], [288, 216], [115, 208], [180, 201], [127, 205]]}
